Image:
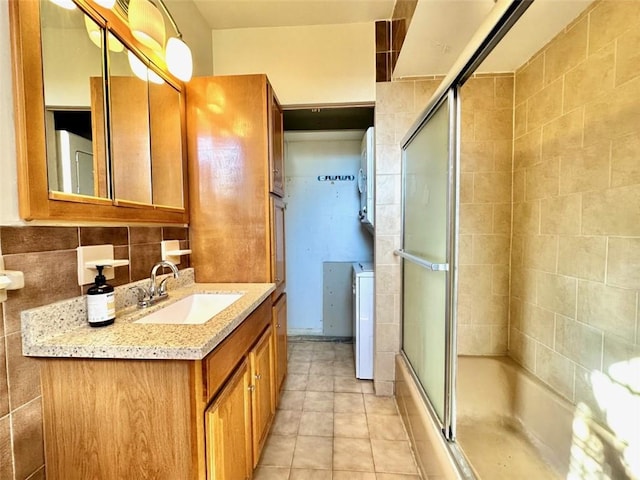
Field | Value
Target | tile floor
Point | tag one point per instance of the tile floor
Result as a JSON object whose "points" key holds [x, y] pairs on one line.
{"points": [[331, 426]]}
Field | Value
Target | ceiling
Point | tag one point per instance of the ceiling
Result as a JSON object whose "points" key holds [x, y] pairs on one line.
{"points": [[226, 14], [439, 30]]}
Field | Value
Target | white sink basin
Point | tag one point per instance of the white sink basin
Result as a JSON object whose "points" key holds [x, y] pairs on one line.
{"points": [[195, 309]]}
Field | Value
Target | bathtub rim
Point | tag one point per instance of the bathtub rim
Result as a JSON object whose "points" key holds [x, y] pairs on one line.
{"points": [[456, 463]]}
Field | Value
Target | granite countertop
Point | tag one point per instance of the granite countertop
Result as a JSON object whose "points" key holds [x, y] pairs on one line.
{"points": [[52, 332]]}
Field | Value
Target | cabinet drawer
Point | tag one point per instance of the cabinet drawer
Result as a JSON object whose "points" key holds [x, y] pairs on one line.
{"points": [[222, 361]]}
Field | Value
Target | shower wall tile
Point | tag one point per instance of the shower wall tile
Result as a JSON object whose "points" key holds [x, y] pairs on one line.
{"points": [[623, 268], [575, 253], [567, 50], [582, 257], [485, 213], [627, 60], [625, 167]]}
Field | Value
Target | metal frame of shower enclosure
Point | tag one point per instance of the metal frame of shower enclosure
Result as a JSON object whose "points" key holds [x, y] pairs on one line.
{"points": [[499, 21]]}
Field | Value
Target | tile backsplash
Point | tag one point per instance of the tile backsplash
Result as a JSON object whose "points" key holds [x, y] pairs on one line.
{"points": [[47, 256]]}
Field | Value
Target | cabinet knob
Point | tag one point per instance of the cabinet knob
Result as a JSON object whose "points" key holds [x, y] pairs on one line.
{"points": [[277, 325], [252, 388], [276, 171], [258, 376]]}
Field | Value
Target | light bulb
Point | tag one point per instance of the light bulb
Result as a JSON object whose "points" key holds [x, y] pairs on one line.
{"points": [[67, 4], [179, 59], [106, 3], [138, 68], [147, 24], [141, 71]]}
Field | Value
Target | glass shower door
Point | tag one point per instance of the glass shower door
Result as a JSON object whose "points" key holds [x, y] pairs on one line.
{"points": [[428, 219]]}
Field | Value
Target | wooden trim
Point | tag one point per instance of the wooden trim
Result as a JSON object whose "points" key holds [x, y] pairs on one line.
{"points": [[74, 197], [34, 199]]}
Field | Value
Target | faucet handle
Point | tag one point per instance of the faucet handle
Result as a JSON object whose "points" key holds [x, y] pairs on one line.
{"points": [[141, 292]]}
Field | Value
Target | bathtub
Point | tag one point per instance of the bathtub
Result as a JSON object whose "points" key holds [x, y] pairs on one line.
{"points": [[509, 426]]}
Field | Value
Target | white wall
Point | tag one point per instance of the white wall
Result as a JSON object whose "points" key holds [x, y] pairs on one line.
{"points": [[8, 174], [321, 219], [307, 65]]}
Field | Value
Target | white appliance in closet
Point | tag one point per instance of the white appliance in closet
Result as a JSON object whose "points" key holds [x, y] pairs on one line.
{"points": [[363, 319]]}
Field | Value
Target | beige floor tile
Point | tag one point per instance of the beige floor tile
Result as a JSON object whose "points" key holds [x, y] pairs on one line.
{"points": [[386, 427], [348, 403], [342, 475], [318, 402], [308, 474], [344, 356], [313, 453], [301, 368], [324, 355], [396, 476], [278, 451], [367, 386], [346, 385], [301, 346], [321, 367], [350, 425], [393, 457], [296, 382], [319, 424], [380, 405], [352, 454], [320, 383], [323, 347], [343, 368], [300, 356], [291, 400], [343, 347], [286, 422], [271, 473]]}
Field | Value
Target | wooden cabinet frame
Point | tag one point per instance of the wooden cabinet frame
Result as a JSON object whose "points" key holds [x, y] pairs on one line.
{"points": [[36, 202]]}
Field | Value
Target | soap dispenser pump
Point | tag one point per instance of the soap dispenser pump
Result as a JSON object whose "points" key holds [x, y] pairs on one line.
{"points": [[101, 302]]}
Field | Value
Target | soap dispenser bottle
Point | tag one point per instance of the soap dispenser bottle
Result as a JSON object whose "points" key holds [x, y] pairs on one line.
{"points": [[101, 302]]}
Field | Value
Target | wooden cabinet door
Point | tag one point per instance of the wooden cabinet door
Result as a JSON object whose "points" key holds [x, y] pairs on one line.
{"points": [[263, 392], [278, 266], [276, 143], [280, 333], [228, 430]]}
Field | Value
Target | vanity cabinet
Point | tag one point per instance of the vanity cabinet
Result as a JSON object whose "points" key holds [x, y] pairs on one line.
{"points": [[236, 183], [279, 319], [228, 423], [163, 419], [262, 389]]}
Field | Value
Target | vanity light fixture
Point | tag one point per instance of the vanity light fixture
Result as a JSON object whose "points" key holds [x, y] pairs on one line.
{"points": [[66, 4], [106, 3], [141, 71], [147, 24], [95, 34], [177, 53]]}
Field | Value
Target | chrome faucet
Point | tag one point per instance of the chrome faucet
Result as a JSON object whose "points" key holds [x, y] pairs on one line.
{"points": [[155, 293]]}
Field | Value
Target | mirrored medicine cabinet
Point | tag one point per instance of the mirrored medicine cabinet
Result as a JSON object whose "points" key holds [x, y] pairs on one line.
{"points": [[100, 125]]}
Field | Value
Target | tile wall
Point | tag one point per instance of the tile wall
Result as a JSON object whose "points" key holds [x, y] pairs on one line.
{"points": [[576, 231], [398, 104], [485, 214], [47, 257]]}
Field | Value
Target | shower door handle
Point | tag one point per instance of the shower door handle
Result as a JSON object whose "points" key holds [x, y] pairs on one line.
{"points": [[436, 267]]}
